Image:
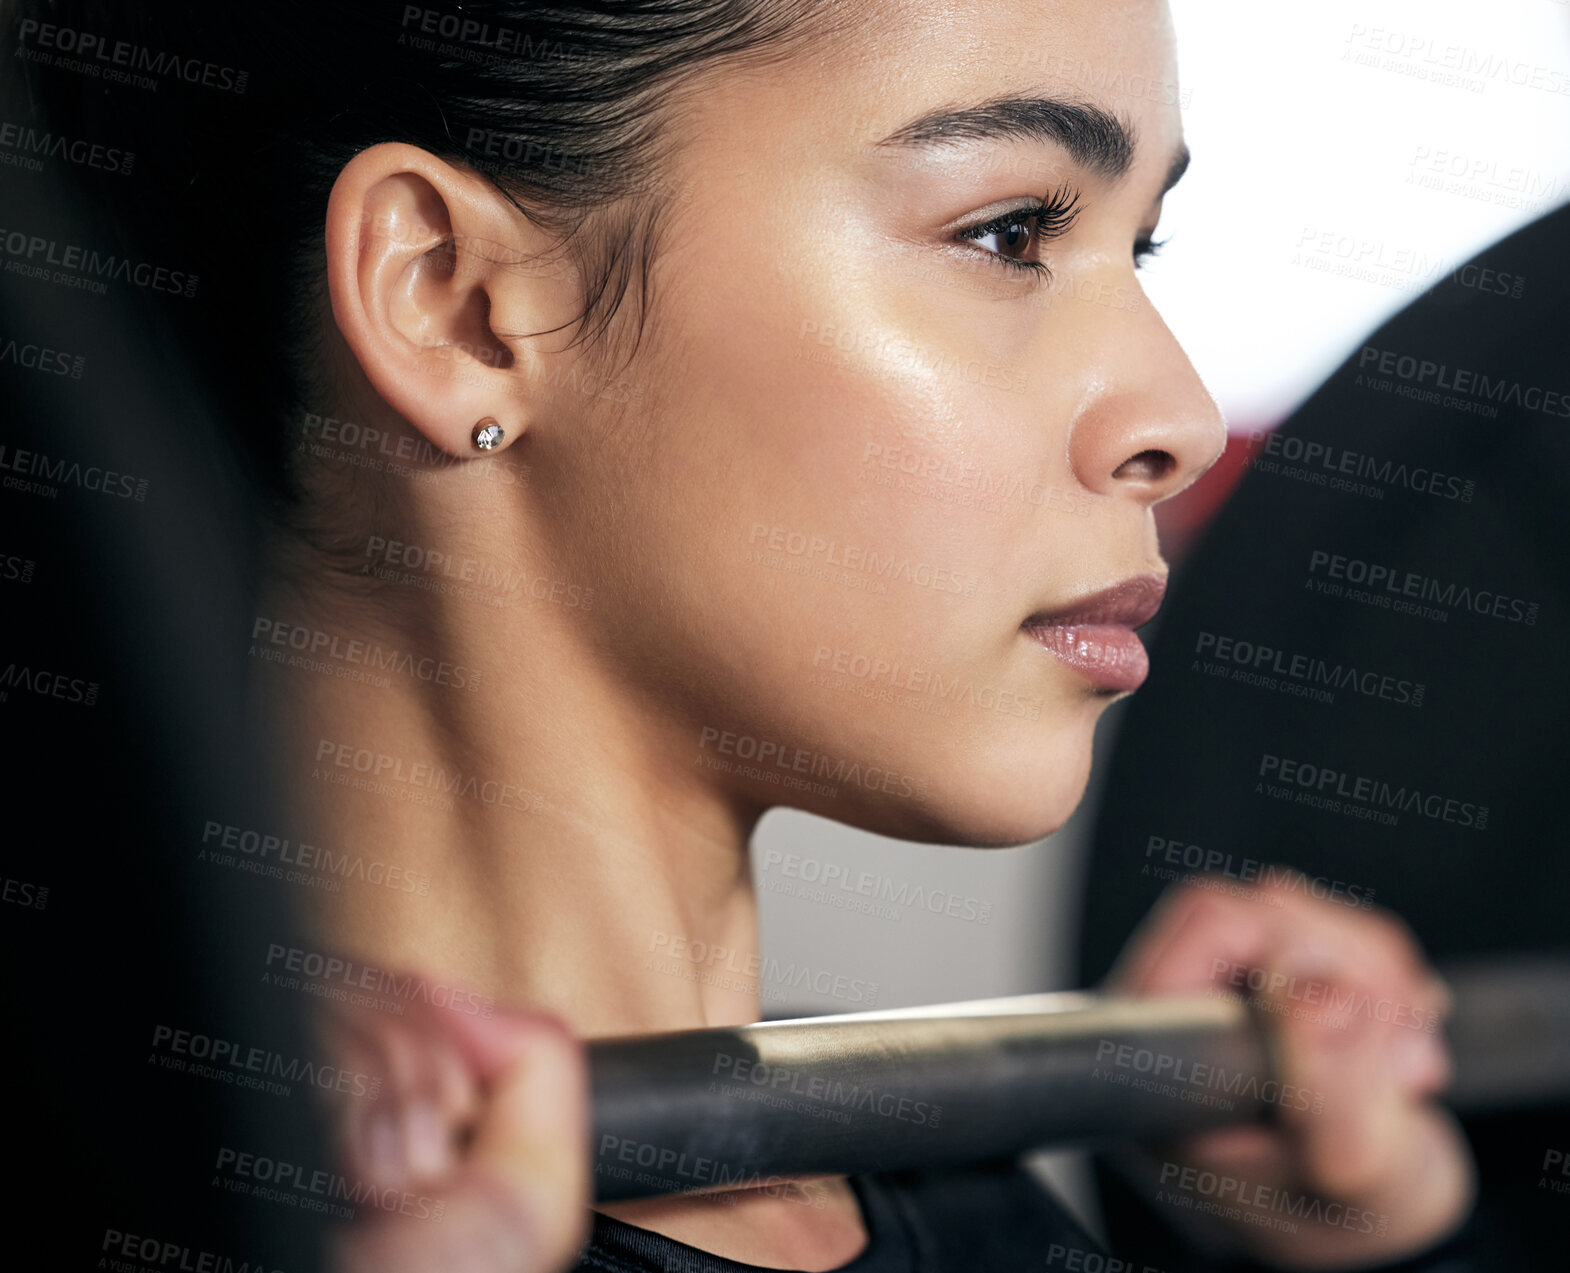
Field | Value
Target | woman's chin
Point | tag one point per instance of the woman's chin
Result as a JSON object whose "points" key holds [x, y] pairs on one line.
{"points": [[996, 801]]}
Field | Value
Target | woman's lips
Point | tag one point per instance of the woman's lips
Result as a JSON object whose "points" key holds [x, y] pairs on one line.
{"points": [[1095, 636], [1108, 654]]}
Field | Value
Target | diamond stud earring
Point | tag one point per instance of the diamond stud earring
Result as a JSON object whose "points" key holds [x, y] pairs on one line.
{"points": [[488, 434]]}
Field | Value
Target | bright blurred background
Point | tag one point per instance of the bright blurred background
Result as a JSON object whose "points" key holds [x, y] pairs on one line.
{"points": [[1347, 153]]}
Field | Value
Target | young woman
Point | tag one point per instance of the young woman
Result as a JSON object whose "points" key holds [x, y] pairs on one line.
{"points": [[595, 353]]}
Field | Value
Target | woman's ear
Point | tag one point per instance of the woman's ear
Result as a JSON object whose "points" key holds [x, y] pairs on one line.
{"points": [[435, 289]]}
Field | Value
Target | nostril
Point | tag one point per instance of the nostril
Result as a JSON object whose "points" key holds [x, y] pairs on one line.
{"points": [[1147, 466]]}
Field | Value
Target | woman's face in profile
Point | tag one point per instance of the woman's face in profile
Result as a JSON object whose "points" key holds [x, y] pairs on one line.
{"points": [[899, 394]]}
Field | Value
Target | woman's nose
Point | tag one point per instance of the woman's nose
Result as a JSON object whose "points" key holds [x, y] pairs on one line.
{"points": [[1150, 427]]}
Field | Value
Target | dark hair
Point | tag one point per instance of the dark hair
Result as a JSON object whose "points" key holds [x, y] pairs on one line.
{"points": [[257, 107]]}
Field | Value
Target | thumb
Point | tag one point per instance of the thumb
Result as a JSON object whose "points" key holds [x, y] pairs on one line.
{"points": [[532, 1142], [518, 1202]]}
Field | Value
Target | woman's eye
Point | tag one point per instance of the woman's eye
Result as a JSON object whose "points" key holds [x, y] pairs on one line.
{"points": [[1011, 241], [1008, 239]]}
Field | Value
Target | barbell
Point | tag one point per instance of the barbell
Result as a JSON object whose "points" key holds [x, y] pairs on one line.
{"points": [[753, 1105]]}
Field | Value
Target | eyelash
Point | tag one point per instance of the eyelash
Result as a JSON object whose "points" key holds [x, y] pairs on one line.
{"points": [[1052, 220], [1146, 250]]}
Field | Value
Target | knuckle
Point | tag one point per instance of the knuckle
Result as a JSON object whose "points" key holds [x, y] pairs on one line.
{"points": [[1199, 904]]}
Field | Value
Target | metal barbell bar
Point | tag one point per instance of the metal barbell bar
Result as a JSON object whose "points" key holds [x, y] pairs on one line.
{"points": [[860, 1092]]}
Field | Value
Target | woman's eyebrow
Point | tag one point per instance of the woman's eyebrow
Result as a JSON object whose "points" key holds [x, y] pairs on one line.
{"points": [[1095, 138]]}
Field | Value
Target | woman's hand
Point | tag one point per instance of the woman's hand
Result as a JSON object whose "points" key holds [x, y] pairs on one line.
{"points": [[478, 1125], [1360, 1166]]}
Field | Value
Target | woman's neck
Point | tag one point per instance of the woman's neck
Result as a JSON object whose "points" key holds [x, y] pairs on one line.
{"points": [[555, 845], [565, 851]]}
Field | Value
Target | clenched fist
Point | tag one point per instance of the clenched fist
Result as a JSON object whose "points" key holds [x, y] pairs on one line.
{"points": [[1368, 1167], [484, 1115]]}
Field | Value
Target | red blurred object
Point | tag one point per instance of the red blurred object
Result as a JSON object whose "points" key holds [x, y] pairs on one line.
{"points": [[1183, 518]]}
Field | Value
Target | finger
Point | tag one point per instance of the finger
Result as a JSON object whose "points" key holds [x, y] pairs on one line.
{"points": [[1363, 1077], [1382, 944], [1377, 1144], [354, 1050], [1199, 937], [402, 1136], [1346, 1147], [1179, 944], [428, 1133], [533, 1140], [391, 1141], [518, 1201], [457, 1087], [1336, 979]]}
